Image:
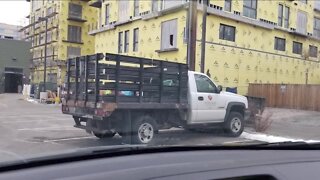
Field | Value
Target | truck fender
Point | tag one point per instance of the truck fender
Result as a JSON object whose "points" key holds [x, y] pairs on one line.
{"points": [[232, 104]]}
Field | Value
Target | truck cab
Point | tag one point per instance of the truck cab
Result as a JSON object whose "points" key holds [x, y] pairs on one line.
{"points": [[209, 104]]}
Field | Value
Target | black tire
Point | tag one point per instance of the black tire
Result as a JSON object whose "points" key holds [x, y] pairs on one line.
{"points": [[143, 124], [106, 135], [232, 126]]}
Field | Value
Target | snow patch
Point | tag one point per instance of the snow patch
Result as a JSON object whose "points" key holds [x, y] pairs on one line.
{"points": [[32, 100], [272, 139]]}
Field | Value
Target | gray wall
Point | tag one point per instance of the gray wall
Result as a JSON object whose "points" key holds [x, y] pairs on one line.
{"points": [[20, 50]]}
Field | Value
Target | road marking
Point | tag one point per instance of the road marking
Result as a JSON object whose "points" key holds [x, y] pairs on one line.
{"points": [[49, 128], [68, 139]]}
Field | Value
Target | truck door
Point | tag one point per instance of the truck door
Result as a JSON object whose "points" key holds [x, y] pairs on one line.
{"points": [[207, 101]]}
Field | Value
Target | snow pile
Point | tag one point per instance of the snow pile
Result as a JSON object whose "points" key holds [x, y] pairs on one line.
{"points": [[32, 100], [272, 139]]}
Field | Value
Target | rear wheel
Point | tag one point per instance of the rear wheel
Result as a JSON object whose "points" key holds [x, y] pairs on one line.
{"points": [[143, 130], [234, 125]]}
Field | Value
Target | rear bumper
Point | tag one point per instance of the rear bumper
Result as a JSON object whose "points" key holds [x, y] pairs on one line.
{"points": [[246, 115]]}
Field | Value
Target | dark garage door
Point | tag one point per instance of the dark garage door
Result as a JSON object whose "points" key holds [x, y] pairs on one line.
{"points": [[13, 79]]}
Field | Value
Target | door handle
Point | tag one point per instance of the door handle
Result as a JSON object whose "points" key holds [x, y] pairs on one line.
{"points": [[200, 98]]}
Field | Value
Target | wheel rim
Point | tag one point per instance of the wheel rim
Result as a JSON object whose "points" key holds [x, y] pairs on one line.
{"points": [[235, 125], [145, 132]]}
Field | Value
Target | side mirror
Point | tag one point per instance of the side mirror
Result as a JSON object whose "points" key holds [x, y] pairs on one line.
{"points": [[219, 88]]}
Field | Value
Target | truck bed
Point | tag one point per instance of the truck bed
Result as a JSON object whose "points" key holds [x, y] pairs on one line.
{"points": [[101, 83]]}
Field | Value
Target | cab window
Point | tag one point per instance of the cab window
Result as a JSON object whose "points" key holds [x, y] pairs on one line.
{"points": [[204, 84]]}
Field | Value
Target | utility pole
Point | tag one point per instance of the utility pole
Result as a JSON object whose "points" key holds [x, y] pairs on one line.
{"points": [[204, 33], [192, 34]]}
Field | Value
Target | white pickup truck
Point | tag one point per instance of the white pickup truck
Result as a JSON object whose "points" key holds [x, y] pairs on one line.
{"points": [[136, 97]]}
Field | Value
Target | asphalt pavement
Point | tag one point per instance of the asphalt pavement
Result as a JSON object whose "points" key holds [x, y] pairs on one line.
{"points": [[29, 129]]}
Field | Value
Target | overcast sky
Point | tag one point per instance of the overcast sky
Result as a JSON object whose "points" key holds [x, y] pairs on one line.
{"points": [[14, 11]]}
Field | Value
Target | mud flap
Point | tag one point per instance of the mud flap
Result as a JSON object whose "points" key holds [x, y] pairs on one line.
{"points": [[89, 125]]}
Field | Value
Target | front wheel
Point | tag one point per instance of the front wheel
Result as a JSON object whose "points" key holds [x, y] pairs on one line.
{"points": [[234, 125], [144, 130]]}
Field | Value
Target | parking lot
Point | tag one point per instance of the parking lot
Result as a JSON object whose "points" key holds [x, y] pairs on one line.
{"points": [[30, 129]]}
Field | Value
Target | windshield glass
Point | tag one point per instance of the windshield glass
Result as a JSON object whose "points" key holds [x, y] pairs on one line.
{"points": [[91, 73]]}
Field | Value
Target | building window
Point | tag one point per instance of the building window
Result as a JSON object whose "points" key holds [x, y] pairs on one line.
{"points": [[74, 33], [316, 27], [304, 1], [297, 48], [126, 41], [280, 15], [49, 36], [136, 8], [250, 8], [49, 11], [120, 42], [169, 34], [227, 32], [123, 11], [280, 44], [170, 3], [286, 16], [41, 39], [107, 21], [52, 77], [136, 39], [227, 5], [313, 51], [73, 52], [317, 5], [75, 11], [283, 16], [302, 22], [155, 6]]}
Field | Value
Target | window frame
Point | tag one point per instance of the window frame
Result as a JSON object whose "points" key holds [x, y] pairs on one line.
{"points": [[277, 45], [251, 8], [304, 1], [72, 13], [303, 26], [311, 52], [120, 42], [294, 48], [71, 51], [135, 39], [107, 14], [170, 27], [280, 15], [155, 5], [316, 31], [229, 3], [76, 35], [286, 19], [126, 41], [136, 9], [222, 32]]}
